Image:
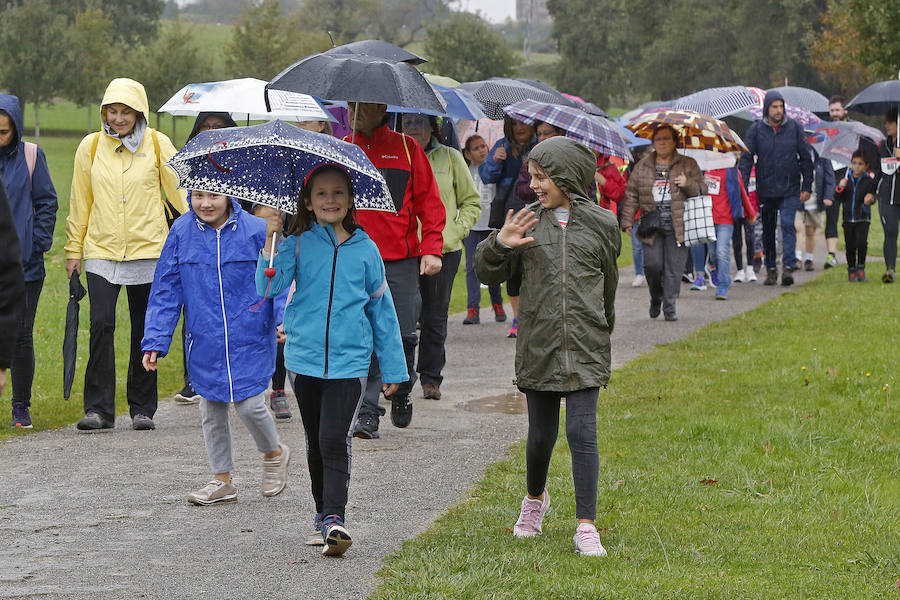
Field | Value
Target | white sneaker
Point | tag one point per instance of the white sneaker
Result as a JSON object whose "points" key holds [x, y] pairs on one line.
{"points": [[739, 277], [531, 516], [751, 274], [638, 281], [587, 541]]}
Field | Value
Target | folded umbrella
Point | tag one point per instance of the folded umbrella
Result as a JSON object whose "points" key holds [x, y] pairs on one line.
{"points": [[695, 130], [838, 140], [267, 164], [70, 337], [596, 133], [357, 78], [243, 99]]}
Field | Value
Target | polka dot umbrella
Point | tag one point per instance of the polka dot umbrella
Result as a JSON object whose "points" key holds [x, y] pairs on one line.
{"points": [[268, 163]]}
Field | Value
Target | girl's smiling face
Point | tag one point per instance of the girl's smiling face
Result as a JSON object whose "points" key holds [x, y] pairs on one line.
{"points": [[548, 193], [329, 198], [213, 209]]}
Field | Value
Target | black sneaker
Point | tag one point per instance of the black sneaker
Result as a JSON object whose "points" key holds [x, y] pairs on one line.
{"points": [[187, 395], [787, 276], [472, 317], [771, 277], [655, 306], [93, 421], [401, 411], [366, 427], [808, 265], [278, 403], [142, 423], [21, 416]]}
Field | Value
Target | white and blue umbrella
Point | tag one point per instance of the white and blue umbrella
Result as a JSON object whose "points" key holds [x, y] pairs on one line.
{"points": [[268, 164], [838, 140], [718, 102]]}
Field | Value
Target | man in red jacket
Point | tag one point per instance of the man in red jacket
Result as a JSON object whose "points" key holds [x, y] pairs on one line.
{"points": [[417, 200]]}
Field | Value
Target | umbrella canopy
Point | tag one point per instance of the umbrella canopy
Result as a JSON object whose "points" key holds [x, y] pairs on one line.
{"points": [[596, 133], [878, 98], [268, 163], [804, 117], [497, 92], [838, 140], [357, 78], [244, 99], [460, 105], [696, 130], [378, 49], [804, 98], [718, 102], [70, 337], [588, 107], [708, 160]]}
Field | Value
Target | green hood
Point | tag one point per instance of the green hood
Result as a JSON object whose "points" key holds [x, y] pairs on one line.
{"points": [[570, 165]]}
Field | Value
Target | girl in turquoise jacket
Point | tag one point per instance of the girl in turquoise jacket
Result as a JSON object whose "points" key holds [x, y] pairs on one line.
{"points": [[341, 312]]}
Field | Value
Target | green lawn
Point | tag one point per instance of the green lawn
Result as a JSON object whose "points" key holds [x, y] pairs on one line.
{"points": [[758, 458]]}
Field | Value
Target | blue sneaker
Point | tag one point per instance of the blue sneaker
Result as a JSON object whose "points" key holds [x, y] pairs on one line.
{"points": [[714, 276], [699, 284], [336, 537], [21, 417], [721, 292]]}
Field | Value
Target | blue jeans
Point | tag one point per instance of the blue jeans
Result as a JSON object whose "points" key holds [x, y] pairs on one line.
{"points": [[473, 286], [785, 208], [719, 253], [637, 251]]}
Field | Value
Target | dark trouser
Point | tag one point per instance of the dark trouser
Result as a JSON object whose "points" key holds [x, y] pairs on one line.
{"points": [[328, 408], [435, 291], [786, 208], [856, 242], [187, 378], [403, 281], [473, 286], [832, 215], [22, 366], [280, 373], [742, 228], [581, 432], [890, 219], [663, 264], [100, 375]]}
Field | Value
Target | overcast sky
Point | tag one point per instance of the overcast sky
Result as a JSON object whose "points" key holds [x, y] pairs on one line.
{"points": [[495, 11]]}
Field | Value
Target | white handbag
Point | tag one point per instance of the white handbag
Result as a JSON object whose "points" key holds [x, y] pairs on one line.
{"points": [[698, 221]]}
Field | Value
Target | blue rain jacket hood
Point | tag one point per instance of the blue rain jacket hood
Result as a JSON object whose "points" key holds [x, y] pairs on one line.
{"points": [[342, 309], [230, 338], [784, 165], [32, 198]]}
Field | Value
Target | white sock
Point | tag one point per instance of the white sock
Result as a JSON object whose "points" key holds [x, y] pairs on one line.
{"points": [[809, 256]]}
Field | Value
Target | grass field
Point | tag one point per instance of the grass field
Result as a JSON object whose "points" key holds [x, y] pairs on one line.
{"points": [[758, 458]]}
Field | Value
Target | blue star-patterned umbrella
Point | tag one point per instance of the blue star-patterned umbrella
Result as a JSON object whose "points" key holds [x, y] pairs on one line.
{"points": [[268, 163]]}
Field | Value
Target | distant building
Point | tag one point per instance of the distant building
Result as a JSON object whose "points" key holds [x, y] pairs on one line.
{"points": [[533, 11]]}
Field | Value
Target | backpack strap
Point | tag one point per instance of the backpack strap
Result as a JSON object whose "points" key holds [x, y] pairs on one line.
{"points": [[30, 160], [171, 212]]}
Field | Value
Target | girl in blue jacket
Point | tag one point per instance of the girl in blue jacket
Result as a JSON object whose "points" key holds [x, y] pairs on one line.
{"points": [[207, 266], [341, 311]]}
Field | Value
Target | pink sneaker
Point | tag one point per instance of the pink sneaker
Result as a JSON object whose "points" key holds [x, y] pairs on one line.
{"points": [[587, 541], [529, 523]]}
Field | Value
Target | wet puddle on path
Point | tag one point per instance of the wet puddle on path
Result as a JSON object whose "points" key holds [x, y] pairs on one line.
{"points": [[512, 403]]}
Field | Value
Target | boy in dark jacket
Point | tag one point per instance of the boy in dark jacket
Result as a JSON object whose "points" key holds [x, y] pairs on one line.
{"points": [[566, 251], [32, 199], [856, 192]]}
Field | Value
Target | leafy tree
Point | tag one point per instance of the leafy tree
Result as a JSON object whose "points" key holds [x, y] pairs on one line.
{"points": [[93, 55], [346, 20], [137, 21], [32, 59], [402, 21], [466, 48], [265, 41]]}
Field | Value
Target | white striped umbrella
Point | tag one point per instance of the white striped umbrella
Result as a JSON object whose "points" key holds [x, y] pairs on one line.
{"points": [[717, 102], [804, 98]]}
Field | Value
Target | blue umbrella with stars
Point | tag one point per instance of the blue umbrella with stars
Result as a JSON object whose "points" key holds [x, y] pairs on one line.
{"points": [[267, 164]]}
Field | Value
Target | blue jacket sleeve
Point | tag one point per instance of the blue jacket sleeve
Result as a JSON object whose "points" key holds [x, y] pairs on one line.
{"points": [[166, 300], [43, 197], [806, 161], [830, 181], [383, 318], [490, 170], [285, 265]]}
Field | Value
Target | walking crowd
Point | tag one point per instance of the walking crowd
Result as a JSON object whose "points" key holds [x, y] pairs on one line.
{"points": [[350, 305]]}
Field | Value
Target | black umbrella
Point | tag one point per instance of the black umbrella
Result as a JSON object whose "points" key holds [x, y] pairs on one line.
{"points": [[70, 340], [878, 98], [497, 92], [378, 49], [358, 78]]}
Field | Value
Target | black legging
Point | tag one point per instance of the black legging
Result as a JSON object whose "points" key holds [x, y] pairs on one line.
{"points": [[581, 432], [280, 373], [856, 241], [742, 228], [23, 357], [890, 218]]}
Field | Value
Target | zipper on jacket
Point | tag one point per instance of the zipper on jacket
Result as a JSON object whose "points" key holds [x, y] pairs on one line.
{"points": [[224, 317], [330, 300], [565, 296]]}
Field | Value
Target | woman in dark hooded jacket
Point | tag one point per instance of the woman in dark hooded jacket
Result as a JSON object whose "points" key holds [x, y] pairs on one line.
{"points": [[566, 250]]}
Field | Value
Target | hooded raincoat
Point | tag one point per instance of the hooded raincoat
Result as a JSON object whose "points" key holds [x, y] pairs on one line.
{"points": [[32, 196], [229, 336], [569, 279], [116, 210]]}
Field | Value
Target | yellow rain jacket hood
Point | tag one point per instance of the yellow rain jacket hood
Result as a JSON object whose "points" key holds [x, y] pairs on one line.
{"points": [[116, 209]]}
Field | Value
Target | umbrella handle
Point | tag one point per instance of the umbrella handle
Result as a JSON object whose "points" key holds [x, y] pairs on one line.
{"points": [[270, 270], [214, 163]]}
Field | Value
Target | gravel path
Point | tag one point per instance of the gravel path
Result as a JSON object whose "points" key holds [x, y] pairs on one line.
{"points": [[104, 515]]}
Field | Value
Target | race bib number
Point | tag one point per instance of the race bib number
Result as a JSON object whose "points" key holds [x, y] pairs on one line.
{"points": [[889, 165], [713, 184], [661, 193], [751, 185]]}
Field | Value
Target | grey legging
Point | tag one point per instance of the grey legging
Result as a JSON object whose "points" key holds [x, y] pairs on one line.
{"points": [[581, 432]]}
